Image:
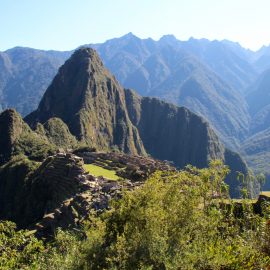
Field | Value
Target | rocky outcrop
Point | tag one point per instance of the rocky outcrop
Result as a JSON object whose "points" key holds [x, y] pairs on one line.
{"points": [[16, 137]]}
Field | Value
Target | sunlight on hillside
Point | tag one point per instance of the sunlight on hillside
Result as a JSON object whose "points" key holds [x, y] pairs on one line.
{"points": [[99, 171]]}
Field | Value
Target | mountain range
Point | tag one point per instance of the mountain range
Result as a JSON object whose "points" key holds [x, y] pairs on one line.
{"points": [[218, 80], [86, 105]]}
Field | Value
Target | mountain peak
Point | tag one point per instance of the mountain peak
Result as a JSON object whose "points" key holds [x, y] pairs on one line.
{"points": [[169, 37], [86, 52], [169, 40], [129, 36], [89, 100], [85, 55]]}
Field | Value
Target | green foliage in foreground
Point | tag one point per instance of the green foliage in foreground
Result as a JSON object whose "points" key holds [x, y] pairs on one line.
{"points": [[172, 222], [99, 171], [18, 250]]}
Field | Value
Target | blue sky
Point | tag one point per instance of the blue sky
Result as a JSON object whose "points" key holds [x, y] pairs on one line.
{"points": [[66, 24]]}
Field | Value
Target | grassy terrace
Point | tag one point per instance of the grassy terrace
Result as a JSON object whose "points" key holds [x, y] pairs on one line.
{"points": [[99, 171], [265, 193]]}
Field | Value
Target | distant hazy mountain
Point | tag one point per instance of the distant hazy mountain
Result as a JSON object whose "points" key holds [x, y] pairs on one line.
{"points": [[258, 99], [223, 59], [246, 54], [256, 148], [24, 76], [262, 61], [256, 151]]}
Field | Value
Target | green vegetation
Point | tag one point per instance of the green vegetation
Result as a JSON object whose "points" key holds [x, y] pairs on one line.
{"points": [[18, 249], [58, 133], [15, 188], [17, 138], [99, 171], [171, 222], [34, 146]]}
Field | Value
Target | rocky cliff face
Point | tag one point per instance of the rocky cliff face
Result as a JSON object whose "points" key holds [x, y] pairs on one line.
{"points": [[176, 134], [98, 111], [173, 133]]}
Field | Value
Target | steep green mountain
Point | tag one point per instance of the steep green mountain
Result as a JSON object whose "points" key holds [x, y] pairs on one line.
{"points": [[57, 133], [92, 104], [99, 112], [17, 138], [25, 75]]}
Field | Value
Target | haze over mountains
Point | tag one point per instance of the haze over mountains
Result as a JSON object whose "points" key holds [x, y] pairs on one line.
{"points": [[219, 80], [25, 74]]}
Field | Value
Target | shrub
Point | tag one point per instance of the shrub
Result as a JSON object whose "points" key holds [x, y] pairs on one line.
{"points": [[18, 249]]}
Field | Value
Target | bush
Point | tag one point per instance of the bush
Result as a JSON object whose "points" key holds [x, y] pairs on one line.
{"points": [[18, 249], [173, 222]]}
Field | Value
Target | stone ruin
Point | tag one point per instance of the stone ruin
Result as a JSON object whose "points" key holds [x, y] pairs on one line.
{"points": [[74, 193], [134, 168]]}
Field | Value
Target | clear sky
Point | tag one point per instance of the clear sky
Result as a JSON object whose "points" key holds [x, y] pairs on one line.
{"points": [[66, 24]]}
